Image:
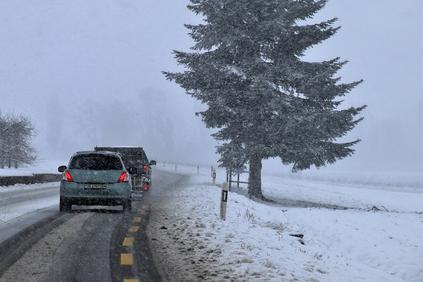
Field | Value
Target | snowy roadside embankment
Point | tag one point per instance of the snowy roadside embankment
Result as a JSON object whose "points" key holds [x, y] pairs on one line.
{"points": [[40, 167], [41, 172], [255, 243], [19, 200]]}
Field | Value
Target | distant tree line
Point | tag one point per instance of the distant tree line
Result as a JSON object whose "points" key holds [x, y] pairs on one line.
{"points": [[16, 134]]}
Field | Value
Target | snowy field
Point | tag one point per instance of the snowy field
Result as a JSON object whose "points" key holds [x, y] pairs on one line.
{"points": [[358, 244], [360, 196], [399, 192]]}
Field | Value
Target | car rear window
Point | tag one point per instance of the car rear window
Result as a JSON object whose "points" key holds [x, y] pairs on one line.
{"points": [[133, 160], [96, 162]]}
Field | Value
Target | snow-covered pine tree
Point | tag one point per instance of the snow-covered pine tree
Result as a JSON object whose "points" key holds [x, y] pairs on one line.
{"points": [[246, 67], [232, 157]]}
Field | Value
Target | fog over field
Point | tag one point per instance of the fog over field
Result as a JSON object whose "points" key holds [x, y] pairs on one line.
{"points": [[89, 73]]}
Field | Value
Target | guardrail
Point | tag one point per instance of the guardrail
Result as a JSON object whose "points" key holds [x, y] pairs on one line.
{"points": [[29, 179]]}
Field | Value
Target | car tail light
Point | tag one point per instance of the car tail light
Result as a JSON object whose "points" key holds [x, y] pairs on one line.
{"points": [[145, 168], [67, 176], [123, 177], [146, 186]]}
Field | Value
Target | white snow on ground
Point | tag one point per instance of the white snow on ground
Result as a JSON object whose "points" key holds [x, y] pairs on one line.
{"points": [[400, 192], [387, 180], [349, 195], [339, 245], [40, 166], [26, 187], [14, 211], [28, 202]]}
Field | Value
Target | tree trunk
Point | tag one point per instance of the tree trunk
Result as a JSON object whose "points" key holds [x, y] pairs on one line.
{"points": [[254, 178], [230, 179]]}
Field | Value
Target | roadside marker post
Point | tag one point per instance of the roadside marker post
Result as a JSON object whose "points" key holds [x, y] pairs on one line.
{"points": [[224, 201], [214, 177]]}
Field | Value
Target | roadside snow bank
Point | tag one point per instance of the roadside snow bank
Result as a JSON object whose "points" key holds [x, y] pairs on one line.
{"points": [[18, 200], [40, 166], [255, 243], [26, 187]]}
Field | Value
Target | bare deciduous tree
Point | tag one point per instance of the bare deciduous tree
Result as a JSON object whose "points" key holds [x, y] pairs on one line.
{"points": [[16, 134]]}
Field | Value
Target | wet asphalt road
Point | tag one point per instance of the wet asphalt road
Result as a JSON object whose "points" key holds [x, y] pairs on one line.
{"points": [[88, 244]]}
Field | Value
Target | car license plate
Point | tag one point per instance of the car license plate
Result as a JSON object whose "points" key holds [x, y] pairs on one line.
{"points": [[95, 186]]}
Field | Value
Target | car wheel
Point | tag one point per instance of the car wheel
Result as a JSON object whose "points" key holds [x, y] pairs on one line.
{"points": [[65, 206], [127, 206]]}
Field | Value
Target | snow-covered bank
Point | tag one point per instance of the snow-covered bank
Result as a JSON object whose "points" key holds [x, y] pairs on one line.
{"points": [[5, 191], [255, 243], [40, 166], [18, 200]]}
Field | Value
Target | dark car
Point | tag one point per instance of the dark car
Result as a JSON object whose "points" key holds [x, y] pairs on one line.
{"points": [[137, 158]]}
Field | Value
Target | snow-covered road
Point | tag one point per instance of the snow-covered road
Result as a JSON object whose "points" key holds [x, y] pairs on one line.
{"points": [[359, 244], [23, 205]]}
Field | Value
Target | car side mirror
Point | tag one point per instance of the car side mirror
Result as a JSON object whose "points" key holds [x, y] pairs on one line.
{"points": [[132, 170], [152, 162], [61, 168]]}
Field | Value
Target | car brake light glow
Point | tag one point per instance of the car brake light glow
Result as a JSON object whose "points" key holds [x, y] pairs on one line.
{"points": [[146, 186], [123, 177], [67, 176]]}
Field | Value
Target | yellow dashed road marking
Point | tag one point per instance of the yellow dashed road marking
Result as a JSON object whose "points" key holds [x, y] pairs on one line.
{"points": [[126, 259], [134, 229], [128, 242], [131, 280], [137, 219]]}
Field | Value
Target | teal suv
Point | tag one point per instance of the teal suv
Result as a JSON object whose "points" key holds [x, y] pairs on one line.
{"points": [[95, 178]]}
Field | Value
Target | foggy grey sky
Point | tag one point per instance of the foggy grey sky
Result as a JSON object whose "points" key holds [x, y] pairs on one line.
{"points": [[89, 72]]}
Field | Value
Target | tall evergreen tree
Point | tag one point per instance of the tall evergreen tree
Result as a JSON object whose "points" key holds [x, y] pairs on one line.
{"points": [[232, 157], [246, 67]]}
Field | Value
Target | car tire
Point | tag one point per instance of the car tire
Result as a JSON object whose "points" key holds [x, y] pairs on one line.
{"points": [[127, 205], [65, 206]]}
